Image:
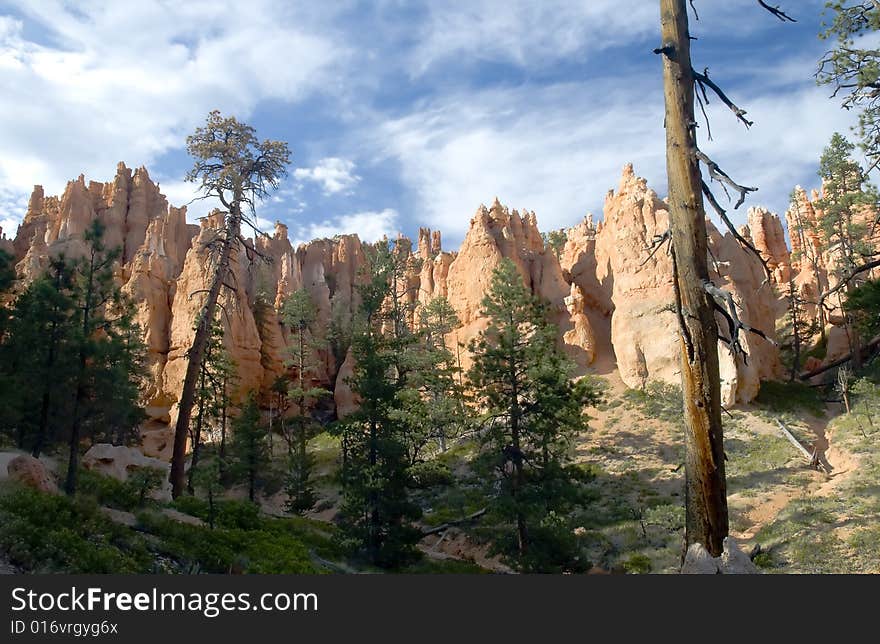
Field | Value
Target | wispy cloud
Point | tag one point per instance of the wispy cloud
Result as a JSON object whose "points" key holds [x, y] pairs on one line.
{"points": [[528, 34], [332, 174], [370, 226], [127, 81]]}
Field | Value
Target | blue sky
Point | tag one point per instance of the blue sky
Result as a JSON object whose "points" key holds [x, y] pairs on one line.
{"points": [[402, 114]]}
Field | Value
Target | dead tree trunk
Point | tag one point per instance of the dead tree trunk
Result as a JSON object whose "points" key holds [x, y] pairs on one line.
{"points": [[196, 354], [706, 493]]}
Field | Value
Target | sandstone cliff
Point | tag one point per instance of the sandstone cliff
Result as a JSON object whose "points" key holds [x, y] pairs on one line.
{"points": [[611, 302]]}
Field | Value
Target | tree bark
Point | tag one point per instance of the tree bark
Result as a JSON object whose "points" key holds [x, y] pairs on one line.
{"points": [[706, 494], [196, 353]]}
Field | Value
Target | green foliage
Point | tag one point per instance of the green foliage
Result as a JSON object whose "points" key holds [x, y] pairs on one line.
{"points": [[852, 66], [266, 549], [638, 564], [789, 397], [376, 508], [212, 401], [430, 473], [72, 357], [555, 241], [108, 491], [844, 193], [533, 409], [863, 305], [249, 450], [432, 404], [50, 533], [144, 480], [661, 400], [796, 332], [299, 314]]}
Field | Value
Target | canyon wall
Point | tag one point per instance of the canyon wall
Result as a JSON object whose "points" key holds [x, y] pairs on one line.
{"points": [[609, 296]]}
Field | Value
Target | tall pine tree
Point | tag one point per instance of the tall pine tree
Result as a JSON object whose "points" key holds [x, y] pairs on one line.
{"points": [[532, 410], [376, 509]]}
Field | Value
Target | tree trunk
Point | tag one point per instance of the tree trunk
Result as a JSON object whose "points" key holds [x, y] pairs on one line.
{"points": [[196, 353], [706, 495]]}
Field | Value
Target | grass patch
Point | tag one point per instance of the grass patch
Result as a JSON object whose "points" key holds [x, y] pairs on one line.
{"points": [[789, 397], [659, 400]]}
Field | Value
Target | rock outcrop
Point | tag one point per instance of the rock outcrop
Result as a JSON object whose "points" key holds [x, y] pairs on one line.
{"points": [[612, 303], [496, 234], [32, 472], [768, 238]]}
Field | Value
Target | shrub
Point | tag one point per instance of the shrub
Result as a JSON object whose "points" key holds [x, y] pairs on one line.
{"points": [[429, 474], [51, 533], [638, 564]]}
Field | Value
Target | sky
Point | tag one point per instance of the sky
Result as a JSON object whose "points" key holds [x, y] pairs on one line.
{"points": [[403, 114]]}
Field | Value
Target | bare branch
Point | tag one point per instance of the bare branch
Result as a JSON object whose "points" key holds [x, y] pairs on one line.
{"points": [[848, 278], [657, 243], [776, 11], [704, 81], [719, 175], [729, 224], [725, 304]]}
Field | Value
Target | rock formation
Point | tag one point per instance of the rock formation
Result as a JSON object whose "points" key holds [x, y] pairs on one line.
{"points": [[32, 472], [612, 303]]}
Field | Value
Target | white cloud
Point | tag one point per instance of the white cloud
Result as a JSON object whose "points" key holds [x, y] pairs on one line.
{"points": [[333, 174], [529, 34], [558, 149], [554, 150], [128, 81], [369, 226]]}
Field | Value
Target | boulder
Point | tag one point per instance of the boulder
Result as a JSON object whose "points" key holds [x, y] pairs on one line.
{"points": [[31, 472], [120, 462]]}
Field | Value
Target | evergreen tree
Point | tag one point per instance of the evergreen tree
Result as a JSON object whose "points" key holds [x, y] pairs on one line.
{"points": [[376, 507], [37, 366], [797, 331], [532, 410], [107, 346], [434, 402], [845, 196], [212, 398], [250, 454], [804, 230], [299, 314], [207, 479], [555, 241], [852, 67]]}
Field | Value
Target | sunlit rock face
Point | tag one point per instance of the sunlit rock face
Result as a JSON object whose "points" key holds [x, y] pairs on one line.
{"points": [[610, 298]]}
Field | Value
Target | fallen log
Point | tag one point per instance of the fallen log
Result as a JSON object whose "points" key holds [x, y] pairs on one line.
{"points": [[811, 457], [873, 344], [446, 526], [794, 441]]}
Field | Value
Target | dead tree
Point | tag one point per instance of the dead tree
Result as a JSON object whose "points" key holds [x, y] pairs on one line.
{"points": [[696, 298], [234, 167]]}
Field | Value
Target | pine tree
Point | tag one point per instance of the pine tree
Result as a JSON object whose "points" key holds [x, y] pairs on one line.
{"points": [[208, 480], [37, 367], [797, 332], [532, 410], [804, 231], [212, 398], [376, 507], [249, 447], [435, 402], [299, 314], [107, 346], [845, 196], [239, 170]]}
